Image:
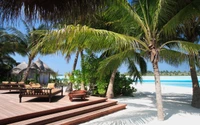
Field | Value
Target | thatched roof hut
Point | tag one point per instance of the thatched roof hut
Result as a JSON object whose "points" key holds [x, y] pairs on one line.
{"points": [[22, 67], [37, 67]]}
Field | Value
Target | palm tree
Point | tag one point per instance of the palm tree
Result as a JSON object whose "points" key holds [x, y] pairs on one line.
{"points": [[191, 33], [148, 25], [8, 47], [130, 58], [154, 26], [28, 41]]}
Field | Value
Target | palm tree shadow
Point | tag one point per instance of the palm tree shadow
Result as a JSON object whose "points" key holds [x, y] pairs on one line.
{"points": [[173, 103], [11, 92], [44, 99], [178, 103]]}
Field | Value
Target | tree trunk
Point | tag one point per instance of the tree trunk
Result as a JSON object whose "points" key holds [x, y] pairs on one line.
{"points": [[160, 113], [83, 72], [25, 74], [75, 61], [110, 93], [195, 85], [74, 68]]}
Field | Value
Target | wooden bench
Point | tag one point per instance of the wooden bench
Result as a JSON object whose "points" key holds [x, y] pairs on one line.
{"points": [[77, 94], [11, 86], [39, 92]]}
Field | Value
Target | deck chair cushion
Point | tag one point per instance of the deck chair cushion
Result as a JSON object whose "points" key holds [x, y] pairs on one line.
{"points": [[35, 85], [5, 82], [51, 85]]}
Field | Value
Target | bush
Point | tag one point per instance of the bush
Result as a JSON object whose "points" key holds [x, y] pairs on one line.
{"points": [[122, 85]]}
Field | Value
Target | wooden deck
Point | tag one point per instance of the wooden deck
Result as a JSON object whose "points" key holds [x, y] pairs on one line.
{"points": [[11, 109], [10, 106]]}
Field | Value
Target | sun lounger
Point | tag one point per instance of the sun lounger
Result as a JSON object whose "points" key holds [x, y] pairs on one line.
{"points": [[39, 92], [11, 85]]}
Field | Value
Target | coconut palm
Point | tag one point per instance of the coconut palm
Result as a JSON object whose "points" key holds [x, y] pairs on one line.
{"points": [[191, 33], [28, 40], [113, 62], [155, 23], [8, 47], [149, 22]]}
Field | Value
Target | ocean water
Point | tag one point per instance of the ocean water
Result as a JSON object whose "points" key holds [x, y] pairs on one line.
{"points": [[181, 81]]}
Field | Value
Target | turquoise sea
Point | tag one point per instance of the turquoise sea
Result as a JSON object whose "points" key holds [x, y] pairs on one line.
{"points": [[181, 81]]}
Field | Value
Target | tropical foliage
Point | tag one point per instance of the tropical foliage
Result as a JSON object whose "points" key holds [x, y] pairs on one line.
{"points": [[8, 47], [52, 11], [28, 40]]}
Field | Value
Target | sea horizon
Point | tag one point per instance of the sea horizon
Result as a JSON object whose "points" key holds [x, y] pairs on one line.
{"points": [[180, 81]]}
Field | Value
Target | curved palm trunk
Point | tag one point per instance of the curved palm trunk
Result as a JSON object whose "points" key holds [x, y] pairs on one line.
{"points": [[25, 74], [195, 85], [74, 68], [75, 61], [83, 71], [110, 93], [154, 60]]}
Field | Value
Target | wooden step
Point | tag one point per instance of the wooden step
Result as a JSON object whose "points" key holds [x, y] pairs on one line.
{"points": [[90, 115], [47, 112], [65, 114]]}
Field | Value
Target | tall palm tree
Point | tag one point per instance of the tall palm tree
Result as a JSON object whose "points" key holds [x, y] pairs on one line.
{"points": [[150, 22], [191, 33], [28, 40], [113, 62], [154, 22], [8, 47]]}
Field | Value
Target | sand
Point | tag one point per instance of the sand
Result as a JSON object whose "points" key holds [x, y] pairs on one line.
{"points": [[141, 109]]}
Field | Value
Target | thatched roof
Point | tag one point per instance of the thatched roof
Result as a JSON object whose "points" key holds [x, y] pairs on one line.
{"points": [[22, 66], [38, 65], [43, 67], [48, 10]]}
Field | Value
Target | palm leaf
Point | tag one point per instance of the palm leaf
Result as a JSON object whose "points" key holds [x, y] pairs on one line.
{"points": [[173, 57], [51, 10], [114, 61], [190, 11], [95, 39]]}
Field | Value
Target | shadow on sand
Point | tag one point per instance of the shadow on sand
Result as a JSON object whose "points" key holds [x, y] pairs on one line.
{"points": [[141, 109]]}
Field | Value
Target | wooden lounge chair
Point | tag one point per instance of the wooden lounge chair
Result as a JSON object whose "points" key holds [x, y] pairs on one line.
{"points": [[39, 92], [11, 85], [77, 94]]}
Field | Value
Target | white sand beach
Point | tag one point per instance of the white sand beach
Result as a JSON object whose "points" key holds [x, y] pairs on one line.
{"points": [[141, 109]]}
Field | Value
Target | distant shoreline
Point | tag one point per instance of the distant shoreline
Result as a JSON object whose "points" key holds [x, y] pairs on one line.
{"points": [[174, 81], [169, 77]]}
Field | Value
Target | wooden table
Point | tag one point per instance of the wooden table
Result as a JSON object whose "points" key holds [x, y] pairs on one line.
{"points": [[77, 95]]}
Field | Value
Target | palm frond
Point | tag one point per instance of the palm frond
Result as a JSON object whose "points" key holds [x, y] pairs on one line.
{"points": [[173, 57], [50, 10], [95, 39], [134, 72], [114, 61], [190, 11], [188, 47]]}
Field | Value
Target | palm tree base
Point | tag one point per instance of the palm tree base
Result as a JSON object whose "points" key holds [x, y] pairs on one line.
{"points": [[196, 98]]}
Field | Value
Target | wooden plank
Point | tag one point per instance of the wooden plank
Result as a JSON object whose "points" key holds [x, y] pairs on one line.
{"points": [[10, 106]]}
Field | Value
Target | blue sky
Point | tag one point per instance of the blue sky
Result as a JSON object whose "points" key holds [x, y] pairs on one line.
{"points": [[58, 63]]}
